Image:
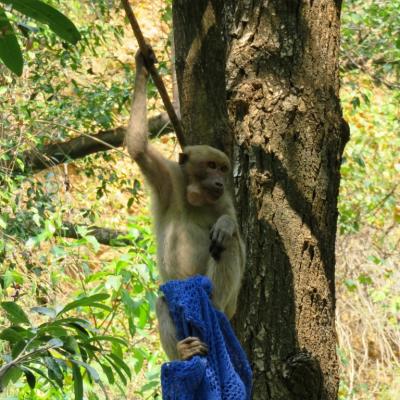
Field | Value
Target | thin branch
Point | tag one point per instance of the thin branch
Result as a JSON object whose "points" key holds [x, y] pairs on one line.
{"points": [[154, 73]]}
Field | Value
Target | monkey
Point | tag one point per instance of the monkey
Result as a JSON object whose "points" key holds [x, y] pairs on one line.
{"points": [[195, 220]]}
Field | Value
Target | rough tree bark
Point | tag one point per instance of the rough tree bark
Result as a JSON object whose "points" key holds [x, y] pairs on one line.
{"points": [[260, 79]]}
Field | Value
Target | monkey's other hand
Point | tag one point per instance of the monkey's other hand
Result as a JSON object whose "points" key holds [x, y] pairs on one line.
{"points": [[191, 346], [142, 62], [220, 234]]}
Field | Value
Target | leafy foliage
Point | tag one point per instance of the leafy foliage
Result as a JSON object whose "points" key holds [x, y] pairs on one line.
{"points": [[371, 169], [371, 39], [72, 90], [369, 214], [60, 345], [10, 51]]}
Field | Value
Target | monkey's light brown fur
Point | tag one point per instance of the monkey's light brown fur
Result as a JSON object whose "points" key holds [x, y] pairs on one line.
{"points": [[194, 218]]}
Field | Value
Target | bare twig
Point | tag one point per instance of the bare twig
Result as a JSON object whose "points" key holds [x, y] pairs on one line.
{"points": [[154, 73]]}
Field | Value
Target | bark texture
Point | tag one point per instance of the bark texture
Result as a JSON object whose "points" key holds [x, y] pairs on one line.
{"points": [[286, 134], [199, 53]]}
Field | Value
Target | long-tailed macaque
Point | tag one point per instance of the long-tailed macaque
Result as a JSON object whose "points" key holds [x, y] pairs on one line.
{"points": [[195, 222]]}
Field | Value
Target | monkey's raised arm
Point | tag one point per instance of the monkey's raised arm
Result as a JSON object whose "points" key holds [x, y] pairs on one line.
{"points": [[152, 164]]}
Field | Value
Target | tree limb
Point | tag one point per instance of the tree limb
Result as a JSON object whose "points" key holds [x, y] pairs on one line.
{"points": [[106, 236], [57, 153]]}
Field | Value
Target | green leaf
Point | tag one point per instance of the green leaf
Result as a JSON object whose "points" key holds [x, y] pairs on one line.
{"points": [[12, 276], [71, 345], [11, 375], [54, 370], [108, 338], [139, 359], [93, 242], [102, 306], [85, 301], [14, 312], [79, 329], [129, 303], [78, 383], [50, 312], [121, 363], [113, 282], [117, 370], [149, 385], [55, 342], [108, 372], [30, 378], [92, 372], [10, 52], [48, 15], [43, 375], [131, 325], [365, 279], [350, 284], [11, 335], [70, 321], [17, 349], [143, 315]]}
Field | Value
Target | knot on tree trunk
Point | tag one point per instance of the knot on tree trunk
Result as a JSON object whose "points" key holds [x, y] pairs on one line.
{"points": [[303, 376]]}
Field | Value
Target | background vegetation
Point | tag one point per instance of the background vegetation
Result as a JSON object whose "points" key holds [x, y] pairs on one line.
{"points": [[78, 315]]}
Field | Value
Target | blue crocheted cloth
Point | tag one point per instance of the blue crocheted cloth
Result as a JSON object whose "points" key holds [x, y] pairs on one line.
{"points": [[224, 374]]}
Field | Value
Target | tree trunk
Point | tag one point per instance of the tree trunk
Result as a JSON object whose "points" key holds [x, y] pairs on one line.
{"points": [[200, 69], [277, 107]]}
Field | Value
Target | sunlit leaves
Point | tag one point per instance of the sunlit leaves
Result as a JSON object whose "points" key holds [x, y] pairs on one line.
{"points": [[92, 301], [10, 51], [62, 345], [370, 38], [53, 278], [14, 312], [48, 15], [370, 183]]}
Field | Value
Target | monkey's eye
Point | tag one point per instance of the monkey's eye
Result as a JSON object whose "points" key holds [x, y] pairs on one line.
{"points": [[212, 165], [224, 168]]}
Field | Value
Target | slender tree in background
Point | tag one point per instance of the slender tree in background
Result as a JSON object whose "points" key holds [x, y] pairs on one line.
{"points": [[260, 79]]}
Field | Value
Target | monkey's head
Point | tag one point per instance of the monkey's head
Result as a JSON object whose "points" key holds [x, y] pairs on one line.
{"points": [[206, 170]]}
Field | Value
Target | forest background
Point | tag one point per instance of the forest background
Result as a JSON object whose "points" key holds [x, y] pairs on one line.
{"points": [[77, 255]]}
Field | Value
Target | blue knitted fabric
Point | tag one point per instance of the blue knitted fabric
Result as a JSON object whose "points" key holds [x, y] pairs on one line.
{"points": [[224, 374]]}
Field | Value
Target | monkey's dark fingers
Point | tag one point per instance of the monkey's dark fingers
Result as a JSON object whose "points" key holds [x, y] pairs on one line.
{"points": [[150, 58], [189, 339], [198, 345], [151, 55], [190, 342], [220, 236], [187, 353], [215, 235], [216, 250], [199, 349], [190, 347]]}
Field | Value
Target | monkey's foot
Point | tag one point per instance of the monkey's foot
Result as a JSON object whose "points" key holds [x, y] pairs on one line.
{"points": [[191, 346]]}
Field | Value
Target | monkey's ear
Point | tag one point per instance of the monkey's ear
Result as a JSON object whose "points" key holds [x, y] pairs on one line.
{"points": [[183, 157]]}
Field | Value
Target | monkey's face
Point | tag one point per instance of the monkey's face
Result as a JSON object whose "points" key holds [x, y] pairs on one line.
{"points": [[206, 171]]}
